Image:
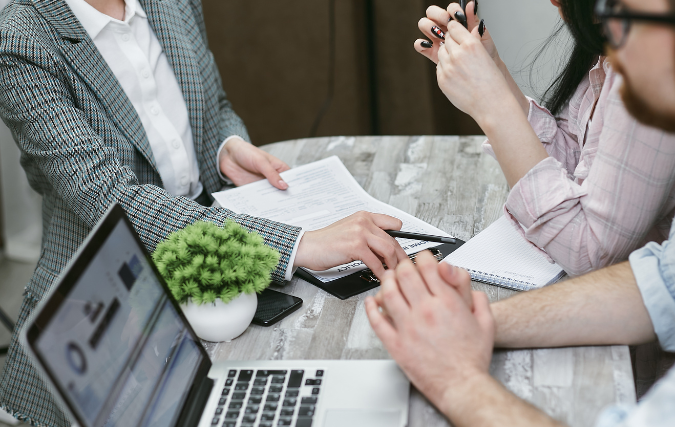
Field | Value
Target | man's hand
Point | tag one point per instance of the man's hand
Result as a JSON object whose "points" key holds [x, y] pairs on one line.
{"points": [[244, 163], [358, 237], [439, 341]]}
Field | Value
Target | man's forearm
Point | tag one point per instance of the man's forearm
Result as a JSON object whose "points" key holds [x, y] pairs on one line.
{"points": [[603, 307], [482, 401]]}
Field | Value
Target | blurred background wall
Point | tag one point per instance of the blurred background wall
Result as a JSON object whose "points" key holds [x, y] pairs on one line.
{"points": [[275, 61]]}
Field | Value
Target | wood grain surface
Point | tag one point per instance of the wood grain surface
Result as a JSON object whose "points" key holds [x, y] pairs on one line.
{"points": [[448, 182]]}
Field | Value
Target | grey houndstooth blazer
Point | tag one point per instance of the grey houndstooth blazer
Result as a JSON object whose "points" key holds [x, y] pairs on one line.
{"points": [[83, 148]]}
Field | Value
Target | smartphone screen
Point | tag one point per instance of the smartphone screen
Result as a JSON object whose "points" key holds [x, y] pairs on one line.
{"points": [[274, 306]]}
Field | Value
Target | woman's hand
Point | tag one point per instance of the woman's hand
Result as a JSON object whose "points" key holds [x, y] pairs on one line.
{"points": [[468, 76], [244, 163], [440, 18]]}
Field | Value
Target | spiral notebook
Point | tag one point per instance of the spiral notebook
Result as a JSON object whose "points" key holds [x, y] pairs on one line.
{"points": [[500, 256]]}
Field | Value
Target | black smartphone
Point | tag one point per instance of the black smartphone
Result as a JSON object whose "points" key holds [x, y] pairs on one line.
{"points": [[274, 306]]}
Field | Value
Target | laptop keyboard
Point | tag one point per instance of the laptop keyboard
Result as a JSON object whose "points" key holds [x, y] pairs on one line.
{"points": [[269, 398]]}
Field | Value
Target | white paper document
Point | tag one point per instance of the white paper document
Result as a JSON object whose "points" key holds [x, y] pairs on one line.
{"points": [[320, 194]]}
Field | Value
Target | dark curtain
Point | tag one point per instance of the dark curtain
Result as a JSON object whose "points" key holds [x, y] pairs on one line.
{"points": [[274, 59]]}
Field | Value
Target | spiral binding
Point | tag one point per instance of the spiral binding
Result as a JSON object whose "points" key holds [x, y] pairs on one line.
{"points": [[504, 282]]}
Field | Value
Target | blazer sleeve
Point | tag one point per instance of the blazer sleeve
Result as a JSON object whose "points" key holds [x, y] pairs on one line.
{"points": [[62, 152]]}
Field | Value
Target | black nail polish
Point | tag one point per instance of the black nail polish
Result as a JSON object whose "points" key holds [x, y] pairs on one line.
{"points": [[426, 44], [475, 7], [461, 18], [481, 27], [438, 32]]}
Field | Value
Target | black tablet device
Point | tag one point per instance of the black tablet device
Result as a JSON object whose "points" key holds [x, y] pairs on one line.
{"points": [[365, 280]]}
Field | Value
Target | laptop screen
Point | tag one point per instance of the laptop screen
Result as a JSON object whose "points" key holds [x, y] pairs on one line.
{"points": [[116, 346]]}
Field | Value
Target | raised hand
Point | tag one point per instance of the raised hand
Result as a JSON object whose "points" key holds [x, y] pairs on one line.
{"points": [[440, 18], [358, 237], [244, 163], [468, 76]]}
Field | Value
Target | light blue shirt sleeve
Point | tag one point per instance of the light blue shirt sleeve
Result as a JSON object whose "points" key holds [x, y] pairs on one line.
{"points": [[654, 270], [656, 409]]}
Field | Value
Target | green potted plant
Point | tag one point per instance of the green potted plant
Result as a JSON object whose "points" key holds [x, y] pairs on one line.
{"points": [[214, 273]]}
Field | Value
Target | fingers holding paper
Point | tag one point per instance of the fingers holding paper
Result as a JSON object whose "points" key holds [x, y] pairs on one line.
{"points": [[360, 236], [244, 163]]}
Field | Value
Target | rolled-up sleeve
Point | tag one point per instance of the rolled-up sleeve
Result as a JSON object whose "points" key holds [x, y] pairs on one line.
{"points": [[654, 270], [620, 195]]}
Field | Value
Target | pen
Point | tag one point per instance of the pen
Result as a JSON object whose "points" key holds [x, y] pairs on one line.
{"points": [[462, 4], [462, 19], [417, 236]]}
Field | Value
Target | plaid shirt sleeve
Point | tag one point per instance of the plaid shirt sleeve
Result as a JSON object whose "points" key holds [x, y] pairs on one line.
{"points": [[621, 189], [589, 207]]}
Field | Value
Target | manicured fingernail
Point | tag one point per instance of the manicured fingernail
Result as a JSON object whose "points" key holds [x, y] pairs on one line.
{"points": [[437, 32], [283, 184], [461, 18], [475, 7], [481, 28], [426, 44]]}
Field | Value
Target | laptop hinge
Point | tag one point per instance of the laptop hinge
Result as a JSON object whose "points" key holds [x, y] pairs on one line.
{"points": [[194, 408]]}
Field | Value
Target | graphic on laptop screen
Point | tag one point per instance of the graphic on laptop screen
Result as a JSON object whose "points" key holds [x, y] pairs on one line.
{"points": [[116, 345]]}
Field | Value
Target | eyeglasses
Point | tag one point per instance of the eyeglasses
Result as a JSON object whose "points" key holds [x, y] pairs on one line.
{"points": [[617, 19]]}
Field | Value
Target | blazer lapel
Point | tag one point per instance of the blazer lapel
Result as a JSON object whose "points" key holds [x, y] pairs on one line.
{"points": [[168, 26], [86, 61]]}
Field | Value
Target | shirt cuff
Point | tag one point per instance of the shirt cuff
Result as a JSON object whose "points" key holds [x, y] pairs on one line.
{"points": [[650, 265], [223, 177], [542, 189], [290, 270]]}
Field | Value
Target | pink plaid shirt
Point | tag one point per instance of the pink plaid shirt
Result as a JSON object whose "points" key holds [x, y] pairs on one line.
{"points": [[590, 204]]}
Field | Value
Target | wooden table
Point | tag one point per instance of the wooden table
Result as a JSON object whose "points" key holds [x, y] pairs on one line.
{"points": [[448, 182]]}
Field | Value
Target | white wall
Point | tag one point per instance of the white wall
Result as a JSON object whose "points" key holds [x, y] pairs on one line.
{"points": [[519, 27]]}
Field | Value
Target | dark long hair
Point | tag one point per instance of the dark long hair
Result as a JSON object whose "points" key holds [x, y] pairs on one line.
{"points": [[588, 45]]}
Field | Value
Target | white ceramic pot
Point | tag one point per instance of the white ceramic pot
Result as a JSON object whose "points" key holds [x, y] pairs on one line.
{"points": [[219, 321]]}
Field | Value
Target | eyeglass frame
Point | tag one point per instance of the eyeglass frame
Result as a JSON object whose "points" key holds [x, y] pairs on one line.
{"points": [[603, 15]]}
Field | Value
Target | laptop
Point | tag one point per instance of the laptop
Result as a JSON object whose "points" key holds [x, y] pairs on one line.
{"points": [[117, 351]]}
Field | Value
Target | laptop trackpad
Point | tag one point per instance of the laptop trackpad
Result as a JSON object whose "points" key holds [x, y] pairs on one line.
{"points": [[362, 418]]}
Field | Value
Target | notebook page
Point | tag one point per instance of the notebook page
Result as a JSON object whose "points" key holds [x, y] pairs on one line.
{"points": [[500, 251], [320, 194]]}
